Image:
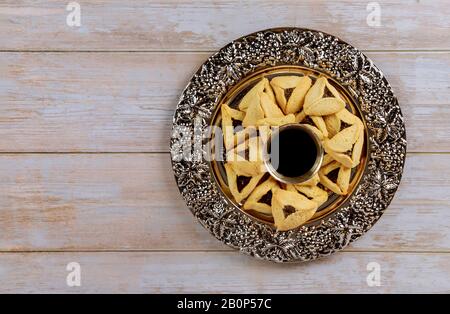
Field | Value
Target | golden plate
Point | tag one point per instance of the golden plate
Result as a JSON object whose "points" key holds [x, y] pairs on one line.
{"points": [[232, 98]]}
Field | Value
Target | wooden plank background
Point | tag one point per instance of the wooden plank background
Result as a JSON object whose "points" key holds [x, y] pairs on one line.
{"points": [[85, 175]]}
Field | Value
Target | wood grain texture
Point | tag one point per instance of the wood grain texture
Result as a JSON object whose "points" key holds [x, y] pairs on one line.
{"points": [[112, 85], [222, 272], [124, 102], [207, 25], [131, 202]]}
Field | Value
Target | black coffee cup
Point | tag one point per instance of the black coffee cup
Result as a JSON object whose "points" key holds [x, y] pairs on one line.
{"points": [[293, 153]]}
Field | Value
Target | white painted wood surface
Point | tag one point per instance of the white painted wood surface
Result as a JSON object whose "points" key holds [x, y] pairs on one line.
{"points": [[124, 102], [131, 202], [208, 25], [223, 272], [85, 119]]}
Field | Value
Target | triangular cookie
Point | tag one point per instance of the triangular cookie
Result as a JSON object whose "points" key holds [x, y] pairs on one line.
{"points": [[346, 145], [291, 209], [315, 92], [255, 201], [240, 194], [246, 159], [252, 95], [270, 108], [297, 98], [254, 112], [228, 115], [325, 106], [299, 86], [343, 141], [343, 179], [314, 193]]}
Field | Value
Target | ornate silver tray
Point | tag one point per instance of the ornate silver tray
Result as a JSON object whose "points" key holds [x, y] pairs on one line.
{"points": [[321, 53]]}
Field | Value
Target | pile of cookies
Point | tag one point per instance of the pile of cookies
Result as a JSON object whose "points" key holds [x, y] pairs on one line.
{"points": [[314, 102]]}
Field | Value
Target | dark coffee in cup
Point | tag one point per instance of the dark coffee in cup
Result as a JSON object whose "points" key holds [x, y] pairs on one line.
{"points": [[294, 153]]}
